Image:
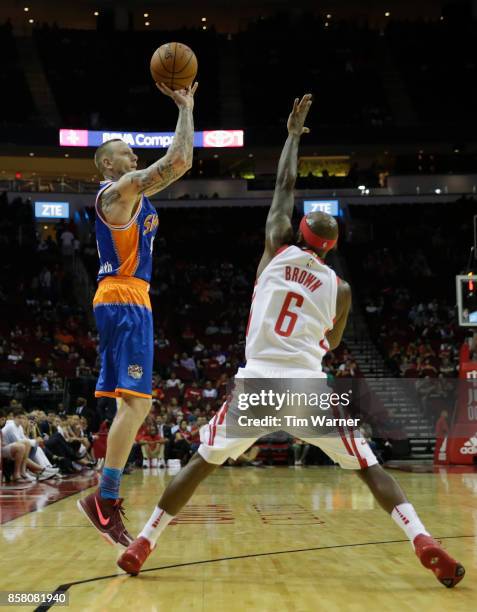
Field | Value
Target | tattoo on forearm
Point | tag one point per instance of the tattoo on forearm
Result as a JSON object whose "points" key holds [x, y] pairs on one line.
{"points": [[165, 171]]}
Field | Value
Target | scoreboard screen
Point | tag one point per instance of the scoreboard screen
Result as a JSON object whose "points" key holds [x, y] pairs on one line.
{"points": [[466, 288]]}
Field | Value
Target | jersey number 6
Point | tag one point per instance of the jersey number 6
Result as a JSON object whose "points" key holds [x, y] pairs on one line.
{"points": [[286, 313]]}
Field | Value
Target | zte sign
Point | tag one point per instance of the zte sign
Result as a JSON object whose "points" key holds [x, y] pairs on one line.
{"points": [[332, 207], [52, 210]]}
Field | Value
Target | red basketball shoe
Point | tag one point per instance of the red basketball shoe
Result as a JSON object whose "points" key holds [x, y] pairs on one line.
{"points": [[447, 570], [134, 557], [106, 516]]}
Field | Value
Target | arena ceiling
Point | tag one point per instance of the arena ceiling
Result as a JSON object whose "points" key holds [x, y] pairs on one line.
{"points": [[225, 16]]}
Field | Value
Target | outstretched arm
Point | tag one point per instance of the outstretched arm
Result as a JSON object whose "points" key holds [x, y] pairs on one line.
{"points": [[118, 201], [178, 158], [278, 228]]}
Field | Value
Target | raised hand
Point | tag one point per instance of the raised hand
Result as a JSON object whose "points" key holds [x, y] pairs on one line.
{"points": [[297, 117], [182, 97]]}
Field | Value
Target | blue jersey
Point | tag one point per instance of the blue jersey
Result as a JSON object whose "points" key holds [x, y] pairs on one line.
{"points": [[126, 250]]}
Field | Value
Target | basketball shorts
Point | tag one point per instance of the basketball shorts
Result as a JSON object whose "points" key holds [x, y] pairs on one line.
{"points": [[346, 447], [123, 314]]}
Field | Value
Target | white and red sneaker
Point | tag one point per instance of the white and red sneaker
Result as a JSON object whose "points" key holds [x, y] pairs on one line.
{"points": [[134, 557], [432, 556]]}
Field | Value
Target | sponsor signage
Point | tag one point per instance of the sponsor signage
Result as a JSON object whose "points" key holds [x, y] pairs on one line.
{"points": [[219, 139], [52, 210], [462, 441], [332, 207]]}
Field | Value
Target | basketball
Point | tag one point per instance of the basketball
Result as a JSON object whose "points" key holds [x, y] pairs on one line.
{"points": [[174, 64]]}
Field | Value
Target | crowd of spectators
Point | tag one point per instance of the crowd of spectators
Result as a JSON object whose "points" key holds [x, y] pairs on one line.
{"points": [[408, 288], [39, 446], [201, 293], [201, 288]]}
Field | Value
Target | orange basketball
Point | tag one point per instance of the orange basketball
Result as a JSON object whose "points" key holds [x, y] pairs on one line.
{"points": [[174, 64]]}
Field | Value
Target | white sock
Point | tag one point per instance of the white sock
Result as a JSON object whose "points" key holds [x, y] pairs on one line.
{"points": [[155, 525], [406, 517]]}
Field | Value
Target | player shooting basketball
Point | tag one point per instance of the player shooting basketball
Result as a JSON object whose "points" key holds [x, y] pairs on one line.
{"points": [[126, 224], [291, 327]]}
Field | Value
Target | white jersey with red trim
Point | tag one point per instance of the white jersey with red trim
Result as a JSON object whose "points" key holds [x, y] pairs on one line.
{"points": [[293, 306]]}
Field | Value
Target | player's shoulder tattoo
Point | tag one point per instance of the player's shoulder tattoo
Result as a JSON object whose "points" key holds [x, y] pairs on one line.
{"points": [[109, 197]]}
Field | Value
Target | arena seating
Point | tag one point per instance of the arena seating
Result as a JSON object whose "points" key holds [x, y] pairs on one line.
{"points": [[410, 307], [440, 78], [16, 103], [329, 62]]}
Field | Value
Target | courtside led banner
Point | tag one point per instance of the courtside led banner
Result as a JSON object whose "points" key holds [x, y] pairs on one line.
{"points": [[219, 139]]}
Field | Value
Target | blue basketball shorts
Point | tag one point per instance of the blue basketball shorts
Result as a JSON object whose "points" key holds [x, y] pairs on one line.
{"points": [[126, 341]]}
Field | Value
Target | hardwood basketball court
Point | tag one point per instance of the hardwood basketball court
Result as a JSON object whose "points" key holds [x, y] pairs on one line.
{"points": [[295, 539]]}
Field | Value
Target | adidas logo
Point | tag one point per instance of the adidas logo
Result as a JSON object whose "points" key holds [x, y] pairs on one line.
{"points": [[470, 447]]}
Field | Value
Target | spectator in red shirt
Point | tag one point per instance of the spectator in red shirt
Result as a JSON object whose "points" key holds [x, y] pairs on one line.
{"points": [[193, 393], [152, 446], [157, 390], [194, 439]]}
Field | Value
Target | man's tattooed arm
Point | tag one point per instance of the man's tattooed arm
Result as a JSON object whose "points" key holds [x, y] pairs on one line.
{"points": [[119, 200], [176, 162]]}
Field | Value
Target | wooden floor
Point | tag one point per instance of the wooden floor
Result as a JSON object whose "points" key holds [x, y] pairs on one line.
{"points": [[291, 539]]}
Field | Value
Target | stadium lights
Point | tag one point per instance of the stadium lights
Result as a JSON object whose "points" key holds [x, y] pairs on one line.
{"points": [[26, 9], [438, 191], [204, 19], [146, 14], [329, 16], [147, 23], [31, 154], [326, 24], [387, 14], [204, 27], [31, 21], [96, 13]]}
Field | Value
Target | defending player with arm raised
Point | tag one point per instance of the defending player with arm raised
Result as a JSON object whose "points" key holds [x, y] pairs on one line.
{"points": [[117, 162], [318, 231], [278, 229]]}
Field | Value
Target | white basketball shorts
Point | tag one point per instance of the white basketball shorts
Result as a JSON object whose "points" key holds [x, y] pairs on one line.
{"points": [[348, 449]]}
